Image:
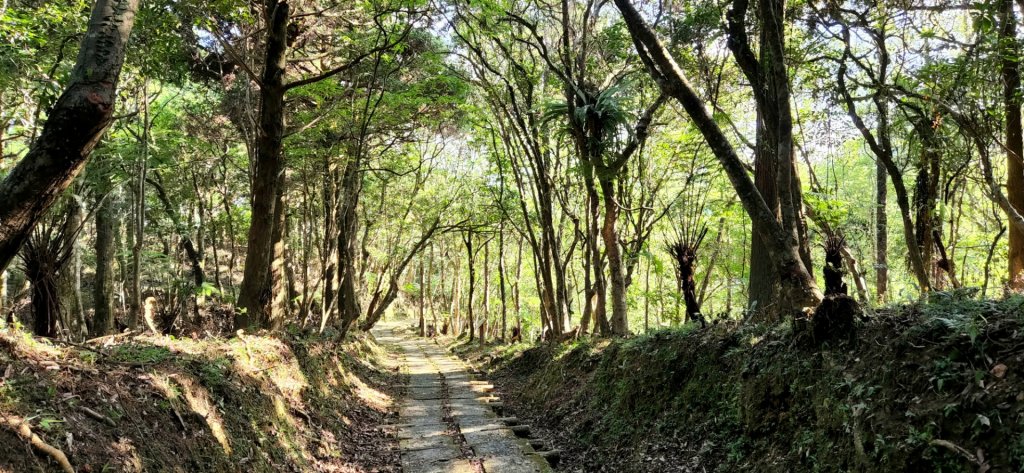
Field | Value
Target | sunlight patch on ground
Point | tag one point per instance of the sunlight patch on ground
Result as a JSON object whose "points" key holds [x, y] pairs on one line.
{"points": [[368, 394], [34, 348], [175, 387], [262, 358], [126, 450]]}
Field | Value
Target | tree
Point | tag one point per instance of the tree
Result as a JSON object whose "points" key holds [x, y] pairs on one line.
{"points": [[798, 288], [74, 126], [775, 175], [1011, 52]]}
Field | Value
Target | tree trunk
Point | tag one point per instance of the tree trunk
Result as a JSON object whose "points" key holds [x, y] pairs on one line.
{"points": [[423, 300], [647, 296], [70, 275], [501, 280], [279, 286], [516, 292], [1014, 142], [330, 257], [881, 234], [139, 215], [486, 315], [45, 304], [468, 239], [75, 125], [599, 304], [798, 288], [4, 280], [620, 318], [762, 284], [103, 288], [349, 308], [230, 223], [255, 297]]}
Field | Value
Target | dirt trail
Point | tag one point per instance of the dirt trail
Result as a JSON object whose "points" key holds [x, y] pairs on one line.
{"points": [[445, 425]]}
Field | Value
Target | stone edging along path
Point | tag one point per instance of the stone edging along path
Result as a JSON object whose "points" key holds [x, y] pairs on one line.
{"points": [[446, 421]]}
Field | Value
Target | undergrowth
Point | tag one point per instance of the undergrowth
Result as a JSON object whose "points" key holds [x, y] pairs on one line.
{"points": [[935, 386], [249, 403]]}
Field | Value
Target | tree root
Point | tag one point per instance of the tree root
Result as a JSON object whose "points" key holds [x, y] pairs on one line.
{"points": [[978, 460], [22, 429], [98, 416]]}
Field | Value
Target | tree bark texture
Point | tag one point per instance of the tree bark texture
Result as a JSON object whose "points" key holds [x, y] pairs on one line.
{"points": [[255, 296], [75, 125]]}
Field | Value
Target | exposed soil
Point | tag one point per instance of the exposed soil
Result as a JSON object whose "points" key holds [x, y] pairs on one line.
{"points": [[251, 403]]}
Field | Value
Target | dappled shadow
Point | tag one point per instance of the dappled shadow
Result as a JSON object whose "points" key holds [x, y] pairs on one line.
{"points": [[251, 403]]}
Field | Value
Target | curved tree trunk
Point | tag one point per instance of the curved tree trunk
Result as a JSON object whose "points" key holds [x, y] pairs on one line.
{"points": [[75, 125], [798, 289], [620, 318]]}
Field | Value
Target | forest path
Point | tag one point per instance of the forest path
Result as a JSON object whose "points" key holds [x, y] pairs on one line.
{"points": [[445, 425]]}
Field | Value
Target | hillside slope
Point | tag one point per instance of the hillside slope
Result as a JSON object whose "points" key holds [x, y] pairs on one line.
{"points": [[933, 387], [154, 403]]}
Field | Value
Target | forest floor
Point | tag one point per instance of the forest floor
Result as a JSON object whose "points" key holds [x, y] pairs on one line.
{"points": [[445, 424], [927, 387], [936, 387], [253, 403]]}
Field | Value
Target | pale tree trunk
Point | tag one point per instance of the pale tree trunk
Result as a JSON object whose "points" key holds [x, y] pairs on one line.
{"points": [[70, 276], [430, 288], [468, 239], [1014, 143], [230, 224], [330, 259], [881, 147], [516, 292], [487, 289], [454, 308], [75, 125], [599, 289], [255, 297], [881, 235], [501, 280], [423, 299], [647, 296], [139, 215]]}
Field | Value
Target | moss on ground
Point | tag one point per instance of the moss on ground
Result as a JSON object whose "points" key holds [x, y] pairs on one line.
{"points": [[920, 383]]}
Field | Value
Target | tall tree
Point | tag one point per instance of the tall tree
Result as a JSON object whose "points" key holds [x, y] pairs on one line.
{"points": [[1010, 53], [74, 126], [782, 240], [775, 174]]}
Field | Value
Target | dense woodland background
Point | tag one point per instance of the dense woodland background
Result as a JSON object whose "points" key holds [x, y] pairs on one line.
{"points": [[567, 167]]}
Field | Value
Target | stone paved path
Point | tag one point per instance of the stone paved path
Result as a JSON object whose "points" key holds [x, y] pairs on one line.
{"points": [[445, 425]]}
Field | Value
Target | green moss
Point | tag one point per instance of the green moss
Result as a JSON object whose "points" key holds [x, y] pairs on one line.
{"points": [[749, 398]]}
